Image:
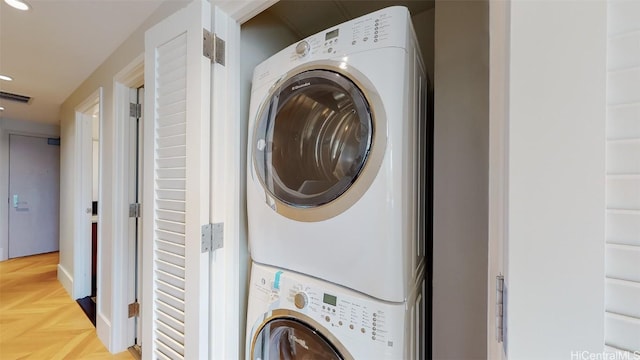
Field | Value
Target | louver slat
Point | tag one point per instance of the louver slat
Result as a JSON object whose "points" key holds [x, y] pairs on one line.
{"points": [[170, 205], [170, 237], [623, 262], [623, 297]]}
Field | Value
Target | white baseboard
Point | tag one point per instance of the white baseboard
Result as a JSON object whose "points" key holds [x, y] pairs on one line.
{"points": [[66, 280]]}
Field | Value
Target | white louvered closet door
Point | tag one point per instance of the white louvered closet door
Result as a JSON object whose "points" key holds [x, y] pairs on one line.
{"points": [[622, 291], [175, 307]]}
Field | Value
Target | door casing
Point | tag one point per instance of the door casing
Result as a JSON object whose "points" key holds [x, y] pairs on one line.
{"points": [[83, 178], [119, 331]]}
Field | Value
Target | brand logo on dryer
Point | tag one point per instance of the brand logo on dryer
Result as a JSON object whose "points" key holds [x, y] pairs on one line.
{"points": [[300, 86]]}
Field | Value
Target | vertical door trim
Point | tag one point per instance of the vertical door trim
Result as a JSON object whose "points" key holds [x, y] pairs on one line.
{"points": [[499, 23], [82, 198], [225, 193], [118, 331]]}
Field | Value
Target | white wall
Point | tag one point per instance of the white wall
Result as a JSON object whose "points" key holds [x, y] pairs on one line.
{"points": [[110, 254], [461, 179], [8, 126], [556, 179]]}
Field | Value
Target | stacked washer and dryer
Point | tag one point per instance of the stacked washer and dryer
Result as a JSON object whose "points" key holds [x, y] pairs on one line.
{"points": [[336, 180]]}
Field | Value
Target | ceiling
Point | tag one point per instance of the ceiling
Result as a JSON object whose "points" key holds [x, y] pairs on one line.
{"points": [[52, 48]]}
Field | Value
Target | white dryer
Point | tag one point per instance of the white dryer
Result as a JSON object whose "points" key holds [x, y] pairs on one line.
{"points": [[336, 174], [293, 316]]}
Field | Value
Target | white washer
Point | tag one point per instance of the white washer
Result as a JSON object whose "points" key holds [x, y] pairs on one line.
{"points": [[336, 174], [293, 316]]}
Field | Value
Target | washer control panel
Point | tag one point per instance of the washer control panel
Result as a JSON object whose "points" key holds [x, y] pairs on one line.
{"points": [[362, 318], [343, 312]]}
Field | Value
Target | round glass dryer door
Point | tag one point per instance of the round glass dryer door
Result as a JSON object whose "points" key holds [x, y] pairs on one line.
{"points": [[290, 339], [312, 139]]}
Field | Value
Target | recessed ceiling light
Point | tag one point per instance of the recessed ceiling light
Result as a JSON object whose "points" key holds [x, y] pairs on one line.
{"points": [[1, 108], [6, 78], [18, 4]]}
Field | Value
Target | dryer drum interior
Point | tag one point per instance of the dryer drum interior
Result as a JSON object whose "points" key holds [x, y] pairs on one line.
{"points": [[292, 339], [313, 138]]}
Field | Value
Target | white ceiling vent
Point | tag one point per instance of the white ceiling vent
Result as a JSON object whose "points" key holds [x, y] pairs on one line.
{"points": [[14, 97]]}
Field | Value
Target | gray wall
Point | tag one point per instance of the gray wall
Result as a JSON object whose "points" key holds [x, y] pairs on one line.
{"points": [[461, 179]]}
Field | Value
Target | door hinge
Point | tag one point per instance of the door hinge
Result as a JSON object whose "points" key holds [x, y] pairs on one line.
{"points": [[212, 237], [135, 110], [134, 309], [135, 210], [214, 47], [500, 308]]}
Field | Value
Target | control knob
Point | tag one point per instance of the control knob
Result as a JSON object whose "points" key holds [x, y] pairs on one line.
{"points": [[303, 48], [300, 300]]}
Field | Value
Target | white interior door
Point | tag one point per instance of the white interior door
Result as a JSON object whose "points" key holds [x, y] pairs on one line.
{"points": [[34, 191], [175, 204], [556, 179]]}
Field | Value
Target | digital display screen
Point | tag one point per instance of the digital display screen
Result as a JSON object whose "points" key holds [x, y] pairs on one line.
{"points": [[329, 299], [331, 34]]}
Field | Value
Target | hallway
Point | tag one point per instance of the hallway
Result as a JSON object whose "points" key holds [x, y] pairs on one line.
{"points": [[38, 319]]}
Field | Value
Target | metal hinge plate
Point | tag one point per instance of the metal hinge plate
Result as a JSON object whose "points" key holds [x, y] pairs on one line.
{"points": [[214, 47], [134, 210], [500, 308], [135, 110], [134, 309], [212, 237]]}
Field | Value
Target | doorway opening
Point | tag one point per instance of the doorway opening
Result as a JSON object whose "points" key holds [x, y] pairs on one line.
{"points": [[88, 203]]}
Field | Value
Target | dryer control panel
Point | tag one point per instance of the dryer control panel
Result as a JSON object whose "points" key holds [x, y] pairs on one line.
{"points": [[383, 28]]}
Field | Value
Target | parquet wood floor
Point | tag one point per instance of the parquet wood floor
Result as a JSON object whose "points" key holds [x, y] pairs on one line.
{"points": [[38, 319]]}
